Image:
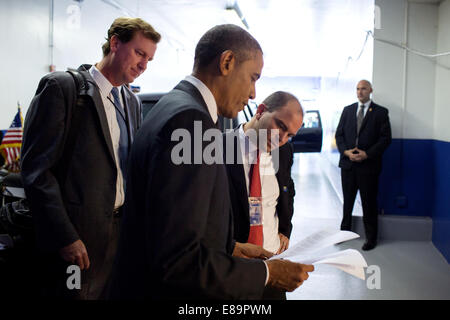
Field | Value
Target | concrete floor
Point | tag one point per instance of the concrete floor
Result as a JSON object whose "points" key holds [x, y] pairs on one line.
{"points": [[409, 270]]}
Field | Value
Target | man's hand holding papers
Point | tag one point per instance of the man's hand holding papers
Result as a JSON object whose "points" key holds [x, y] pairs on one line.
{"points": [[305, 251], [286, 275]]}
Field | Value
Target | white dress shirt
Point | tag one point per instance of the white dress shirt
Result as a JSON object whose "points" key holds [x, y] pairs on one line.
{"points": [[269, 189], [206, 94], [107, 98]]}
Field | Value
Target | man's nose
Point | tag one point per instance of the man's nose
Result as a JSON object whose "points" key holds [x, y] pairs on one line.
{"points": [[143, 64], [284, 137], [252, 95]]}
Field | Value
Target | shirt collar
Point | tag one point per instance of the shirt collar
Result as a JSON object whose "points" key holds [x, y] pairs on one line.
{"points": [[206, 95], [367, 104], [248, 146], [103, 84]]}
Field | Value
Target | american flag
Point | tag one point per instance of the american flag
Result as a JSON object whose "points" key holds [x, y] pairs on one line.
{"points": [[12, 142]]}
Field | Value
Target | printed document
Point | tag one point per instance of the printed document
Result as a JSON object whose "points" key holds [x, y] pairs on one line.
{"points": [[305, 251]]}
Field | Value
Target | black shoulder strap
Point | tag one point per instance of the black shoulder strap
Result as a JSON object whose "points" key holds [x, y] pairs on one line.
{"points": [[80, 81], [80, 85], [75, 123]]}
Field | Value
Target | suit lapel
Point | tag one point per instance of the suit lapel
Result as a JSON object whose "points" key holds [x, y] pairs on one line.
{"points": [[126, 107], [237, 172], [353, 121], [239, 177], [189, 88], [368, 115], [93, 92]]}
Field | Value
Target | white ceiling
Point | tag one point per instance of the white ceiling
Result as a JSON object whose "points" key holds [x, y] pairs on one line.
{"points": [[298, 37]]}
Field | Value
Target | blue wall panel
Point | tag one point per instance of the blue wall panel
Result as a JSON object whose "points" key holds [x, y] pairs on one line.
{"points": [[415, 181], [406, 181], [441, 213]]}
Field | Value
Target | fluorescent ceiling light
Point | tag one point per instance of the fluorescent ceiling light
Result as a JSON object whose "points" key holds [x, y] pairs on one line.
{"points": [[234, 13]]}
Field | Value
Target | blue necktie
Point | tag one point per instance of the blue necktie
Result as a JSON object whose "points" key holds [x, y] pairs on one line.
{"points": [[123, 140]]}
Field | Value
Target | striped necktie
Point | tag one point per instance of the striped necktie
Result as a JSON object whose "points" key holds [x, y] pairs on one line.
{"points": [[256, 231]]}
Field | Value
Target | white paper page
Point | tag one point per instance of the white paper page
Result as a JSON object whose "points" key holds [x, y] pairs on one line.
{"points": [[350, 257], [15, 192], [353, 270], [350, 261], [317, 241]]}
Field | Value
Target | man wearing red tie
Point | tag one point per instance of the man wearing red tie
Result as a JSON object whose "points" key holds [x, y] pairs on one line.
{"points": [[261, 188]]}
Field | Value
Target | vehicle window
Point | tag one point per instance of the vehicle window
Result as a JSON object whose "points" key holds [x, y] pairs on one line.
{"points": [[311, 119]]}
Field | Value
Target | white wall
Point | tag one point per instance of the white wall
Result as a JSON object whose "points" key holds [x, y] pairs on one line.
{"points": [[421, 71], [421, 113], [24, 53], [408, 92], [442, 92]]}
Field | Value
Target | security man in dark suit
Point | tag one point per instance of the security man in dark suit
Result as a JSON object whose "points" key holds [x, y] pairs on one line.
{"points": [[177, 239], [362, 135], [74, 170]]}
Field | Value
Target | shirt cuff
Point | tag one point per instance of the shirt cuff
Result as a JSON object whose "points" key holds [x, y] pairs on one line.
{"points": [[267, 273]]}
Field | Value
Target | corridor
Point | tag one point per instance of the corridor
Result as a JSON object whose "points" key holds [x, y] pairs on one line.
{"points": [[408, 269]]}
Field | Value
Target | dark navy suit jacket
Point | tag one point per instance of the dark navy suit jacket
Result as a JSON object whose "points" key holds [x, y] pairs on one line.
{"points": [[177, 237], [374, 137]]}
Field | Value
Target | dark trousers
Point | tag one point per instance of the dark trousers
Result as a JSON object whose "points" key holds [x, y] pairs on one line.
{"points": [[367, 184], [17, 278], [273, 294], [52, 272]]}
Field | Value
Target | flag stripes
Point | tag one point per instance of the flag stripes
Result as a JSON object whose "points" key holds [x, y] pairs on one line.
{"points": [[12, 143]]}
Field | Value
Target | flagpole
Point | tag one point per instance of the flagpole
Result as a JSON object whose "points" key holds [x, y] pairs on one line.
{"points": [[20, 112]]}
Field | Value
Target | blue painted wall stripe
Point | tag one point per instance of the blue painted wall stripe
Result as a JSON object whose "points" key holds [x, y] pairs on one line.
{"points": [[415, 181], [441, 212], [406, 181]]}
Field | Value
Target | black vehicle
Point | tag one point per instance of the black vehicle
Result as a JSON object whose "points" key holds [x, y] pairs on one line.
{"points": [[309, 136], [149, 100], [307, 139]]}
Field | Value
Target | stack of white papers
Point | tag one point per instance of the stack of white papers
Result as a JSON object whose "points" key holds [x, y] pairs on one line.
{"points": [[305, 251]]}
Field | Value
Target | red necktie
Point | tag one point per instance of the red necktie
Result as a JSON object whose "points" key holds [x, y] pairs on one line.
{"points": [[256, 232]]}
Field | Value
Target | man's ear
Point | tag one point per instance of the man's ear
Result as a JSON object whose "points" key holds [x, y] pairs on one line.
{"points": [[114, 43], [227, 62], [261, 109]]}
